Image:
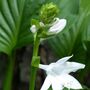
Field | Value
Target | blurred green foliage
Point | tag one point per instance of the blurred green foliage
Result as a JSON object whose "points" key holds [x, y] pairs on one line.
{"points": [[15, 18]]}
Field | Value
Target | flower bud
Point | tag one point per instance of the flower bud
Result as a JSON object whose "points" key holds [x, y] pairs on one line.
{"points": [[48, 13]]}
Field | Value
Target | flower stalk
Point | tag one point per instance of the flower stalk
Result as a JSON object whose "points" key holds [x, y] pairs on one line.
{"points": [[34, 63], [48, 26]]}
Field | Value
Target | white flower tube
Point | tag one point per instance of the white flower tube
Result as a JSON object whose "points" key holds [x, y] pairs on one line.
{"points": [[57, 26], [58, 74]]}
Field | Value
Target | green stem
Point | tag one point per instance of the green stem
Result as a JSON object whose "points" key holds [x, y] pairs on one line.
{"points": [[34, 69], [9, 74]]}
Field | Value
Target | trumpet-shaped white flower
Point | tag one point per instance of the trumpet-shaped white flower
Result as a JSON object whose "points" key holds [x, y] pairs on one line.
{"points": [[55, 28], [58, 74], [33, 29]]}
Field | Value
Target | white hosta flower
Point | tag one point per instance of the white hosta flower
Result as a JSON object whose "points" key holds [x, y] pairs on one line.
{"points": [[58, 74], [57, 26], [33, 29]]}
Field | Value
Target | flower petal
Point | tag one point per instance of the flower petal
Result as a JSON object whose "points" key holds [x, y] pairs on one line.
{"points": [[67, 67], [44, 67], [63, 60], [47, 83], [69, 82], [58, 26], [33, 29], [73, 67], [59, 67], [56, 84]]}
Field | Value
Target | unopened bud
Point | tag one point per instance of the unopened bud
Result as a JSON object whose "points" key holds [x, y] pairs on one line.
{"points": [[48, 13]]}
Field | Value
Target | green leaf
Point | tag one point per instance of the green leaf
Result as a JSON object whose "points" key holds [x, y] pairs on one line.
{"points": [[85, 6], [86, 33], [15, 18], [63, 44]]}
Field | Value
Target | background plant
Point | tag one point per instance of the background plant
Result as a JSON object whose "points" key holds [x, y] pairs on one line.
{"points": [[15, 16]]}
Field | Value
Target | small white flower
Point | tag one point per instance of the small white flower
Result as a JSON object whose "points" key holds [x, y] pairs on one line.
{"points": [[42, 24], [58, 74], [57, 26], [33, 28]]}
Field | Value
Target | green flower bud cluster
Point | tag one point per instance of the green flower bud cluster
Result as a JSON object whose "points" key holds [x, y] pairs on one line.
{"points": [[48, 15], [48, 12]]}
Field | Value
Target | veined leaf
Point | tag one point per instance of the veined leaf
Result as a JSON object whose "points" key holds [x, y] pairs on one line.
{"points": [[86, 34], [85, 6], [63, 44], [14, 24]]}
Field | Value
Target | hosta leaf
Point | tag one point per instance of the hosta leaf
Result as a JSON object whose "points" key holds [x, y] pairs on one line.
{"points": [[85, 6], [14, 24], [86, 34], [64, 42], [67, 41]]}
